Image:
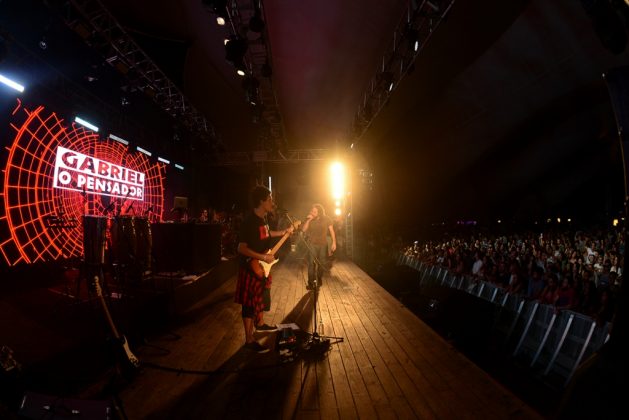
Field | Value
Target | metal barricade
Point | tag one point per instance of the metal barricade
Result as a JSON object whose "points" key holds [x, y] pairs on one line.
{"points": [[556, 342], [510, 310], [536, 331], [524, 322], [554, 338], [584, 338], [488, 291]]}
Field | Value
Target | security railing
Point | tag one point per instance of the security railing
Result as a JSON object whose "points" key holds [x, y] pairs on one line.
{"points": [[550, 341]]}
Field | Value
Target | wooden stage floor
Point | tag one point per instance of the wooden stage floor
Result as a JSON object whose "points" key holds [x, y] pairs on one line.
{"points": [[388, 365]]}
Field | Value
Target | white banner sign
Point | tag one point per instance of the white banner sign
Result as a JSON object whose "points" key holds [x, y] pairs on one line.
{"points": [[78, 172]]}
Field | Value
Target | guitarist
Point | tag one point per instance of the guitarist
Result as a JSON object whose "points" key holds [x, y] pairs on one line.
{"points": [[253, 289]]}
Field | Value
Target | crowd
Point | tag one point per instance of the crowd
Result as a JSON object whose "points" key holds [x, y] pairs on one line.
{"points": [[579, 271]]}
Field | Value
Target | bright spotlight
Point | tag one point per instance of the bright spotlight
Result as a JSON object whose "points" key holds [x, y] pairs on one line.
{"points": [[337, 211], [10, 83], [220, 20], [86, 124], [337, 178], [119, 139], [141, 150]]}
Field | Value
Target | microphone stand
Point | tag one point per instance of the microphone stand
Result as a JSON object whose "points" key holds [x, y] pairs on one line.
{"points": [[315, 340]]}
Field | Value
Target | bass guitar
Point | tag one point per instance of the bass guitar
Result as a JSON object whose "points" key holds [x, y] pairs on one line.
{"points": [[129, 363], [263, 269]]}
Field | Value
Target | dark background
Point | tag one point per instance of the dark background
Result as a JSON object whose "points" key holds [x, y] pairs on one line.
{"points": [[504, 116]]}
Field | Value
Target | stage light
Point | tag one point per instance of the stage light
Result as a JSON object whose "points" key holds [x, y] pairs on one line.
{"points": [[235, 50], [178, 166], [10, 83], [86, 124], [119, 139], [337, 211], [241, 68], [615, 222], [161, 159], [412, 35], [337, 178], [219, 7], [141, 150]]}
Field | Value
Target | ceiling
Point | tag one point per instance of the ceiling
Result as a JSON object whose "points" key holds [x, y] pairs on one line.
{"points": [[505, 114]]}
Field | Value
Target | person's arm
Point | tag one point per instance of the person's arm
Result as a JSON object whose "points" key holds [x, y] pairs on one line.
{"points": [[244, 249], [306, 224], [333, 235], [276, 233]]}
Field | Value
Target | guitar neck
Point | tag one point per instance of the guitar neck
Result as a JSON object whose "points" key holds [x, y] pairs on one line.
{"points": [[279, 243], [110, 320]]}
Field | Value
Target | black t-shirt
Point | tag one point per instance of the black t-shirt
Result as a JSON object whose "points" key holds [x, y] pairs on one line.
{"points": [[254, 231]]}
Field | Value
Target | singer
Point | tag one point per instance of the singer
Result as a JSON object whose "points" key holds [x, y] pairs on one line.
{"points": [[252, 291], [316, 227]]}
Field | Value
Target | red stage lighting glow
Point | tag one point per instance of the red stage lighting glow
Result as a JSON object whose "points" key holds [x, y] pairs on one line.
{"points": [[54, 174]]}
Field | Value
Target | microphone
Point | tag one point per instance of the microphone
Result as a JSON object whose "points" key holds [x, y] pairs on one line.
{"points": [[109, 207], [150, 209], [130, 207]]}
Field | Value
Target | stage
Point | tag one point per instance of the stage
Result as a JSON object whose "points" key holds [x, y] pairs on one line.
{"points": [[389, 364]]}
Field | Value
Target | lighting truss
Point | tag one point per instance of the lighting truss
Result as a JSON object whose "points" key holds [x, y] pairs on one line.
{"points": [[263, 156], [258, 57], [102, 31], [410, 36]]}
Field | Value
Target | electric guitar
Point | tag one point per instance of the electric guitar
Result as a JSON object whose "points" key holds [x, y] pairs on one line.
{"points": [[263, 269], [129, 362]]}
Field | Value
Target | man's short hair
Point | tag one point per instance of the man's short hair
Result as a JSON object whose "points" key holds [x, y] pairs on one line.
{"points": [[257, 195]]}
